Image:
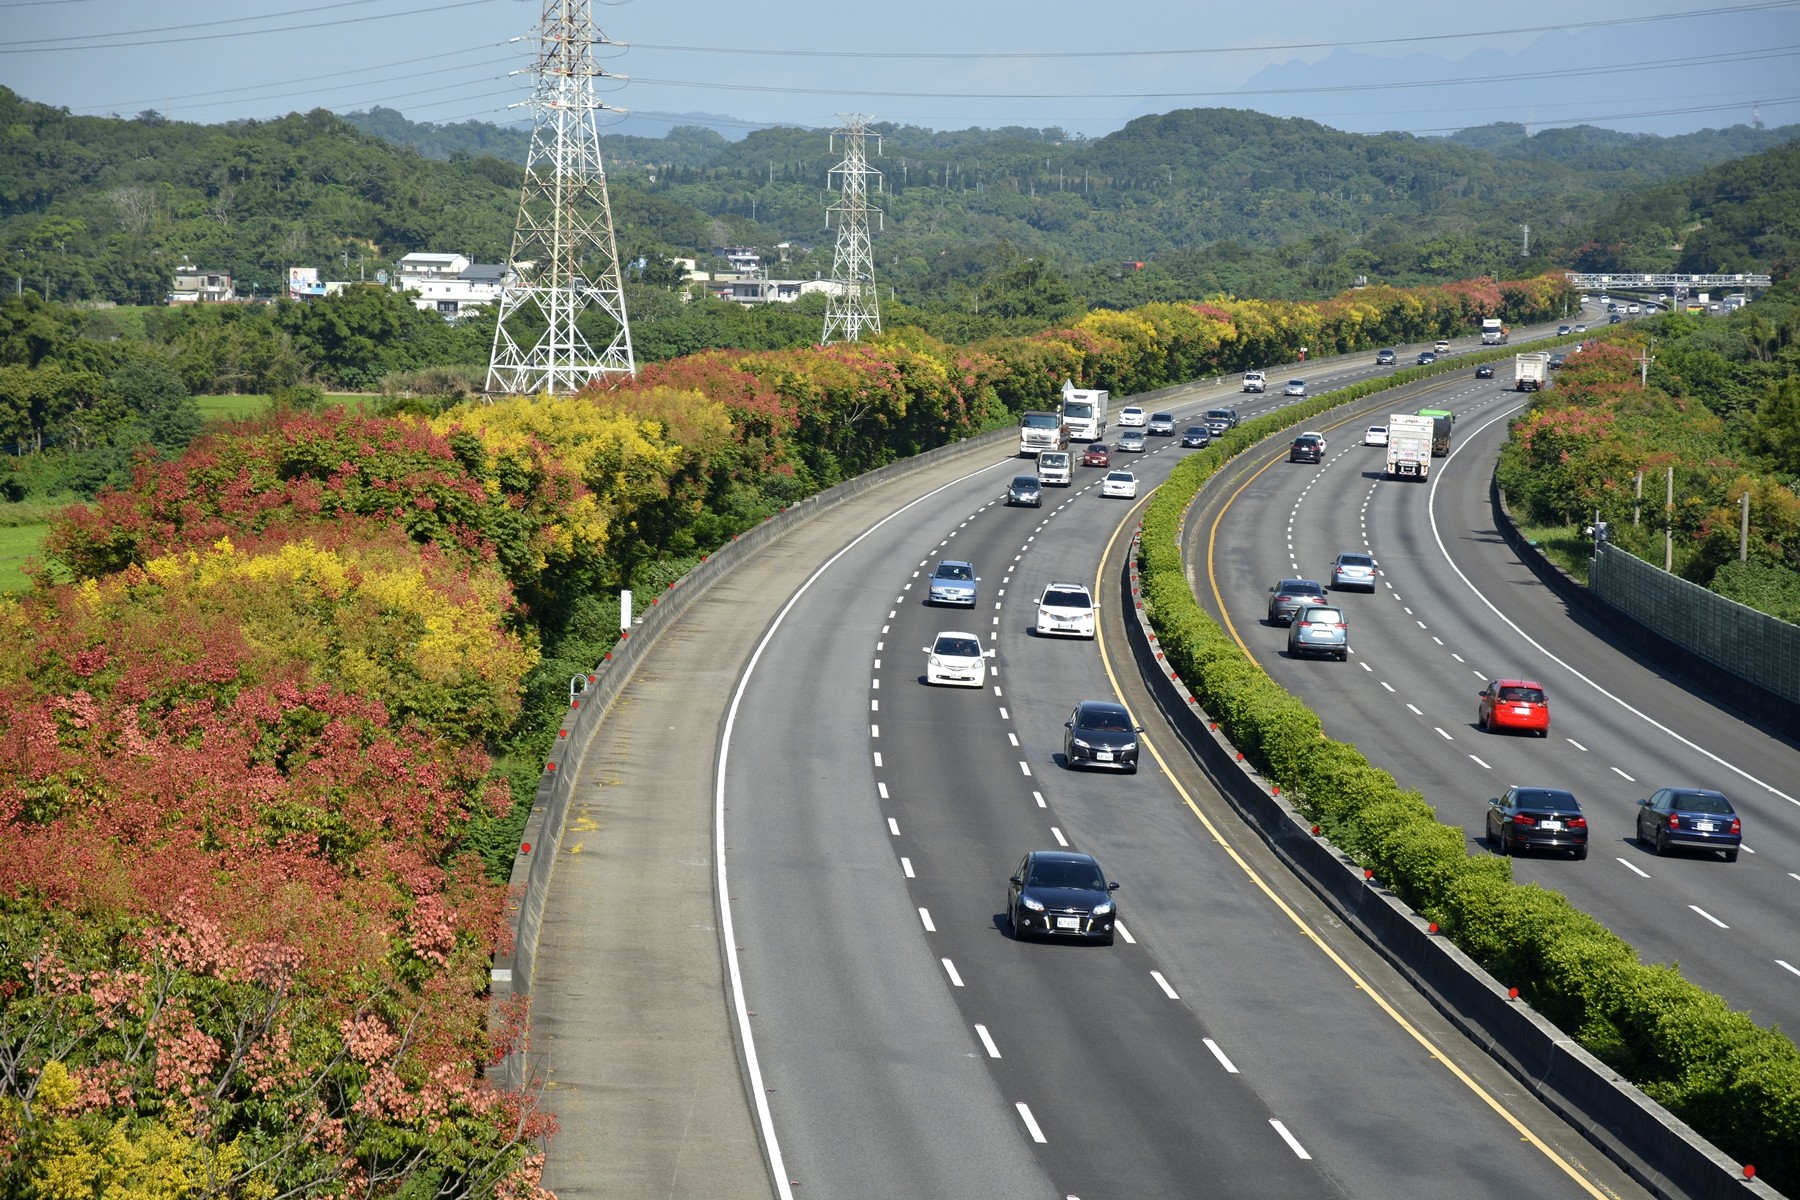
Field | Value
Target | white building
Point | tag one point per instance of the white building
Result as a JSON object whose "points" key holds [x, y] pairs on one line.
{"points": [[449, 284]]}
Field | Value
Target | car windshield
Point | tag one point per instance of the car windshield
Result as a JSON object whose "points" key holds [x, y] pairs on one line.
{"points": [[1026, 483], [1162, 417], [1219, 413], [1522, 695], [1041, 421], [1055, 598], [957, 647], [1702, 802], [1106, 720], [1066, 875], [1296, 383], [955, 571]]}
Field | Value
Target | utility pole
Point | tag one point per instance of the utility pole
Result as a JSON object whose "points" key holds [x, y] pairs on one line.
{"points": [[854, 304], [565, 259], [1669, 525], [1644, 361], [1525, 240], [1744, 530], [1637, 503]]}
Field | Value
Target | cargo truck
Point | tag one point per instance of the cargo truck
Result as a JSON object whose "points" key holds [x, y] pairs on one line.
{"points": [[1494, 331], [1084, 411], [1442, 420], [1041, 431], [1530, 371], [1255, 381], [1409, 446], [1054, 468]]}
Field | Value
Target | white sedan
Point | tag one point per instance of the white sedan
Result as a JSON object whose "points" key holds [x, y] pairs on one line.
{"points": [[1119, 483], [957, 659], [1376, 435], [1132, 416]]}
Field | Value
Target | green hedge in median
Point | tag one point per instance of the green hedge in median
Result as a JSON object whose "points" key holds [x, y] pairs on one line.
{"points": [[1734, 1082]]}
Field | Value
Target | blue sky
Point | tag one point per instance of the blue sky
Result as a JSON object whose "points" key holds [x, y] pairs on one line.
{"points": [[1085, 67]]}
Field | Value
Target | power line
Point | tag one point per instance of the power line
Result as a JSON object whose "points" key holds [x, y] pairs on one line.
{"points": [[17, 48], [741, 51], [292, 12]]}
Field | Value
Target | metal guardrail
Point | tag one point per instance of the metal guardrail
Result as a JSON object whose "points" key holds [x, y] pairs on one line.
{"points": [[1751, 645]]}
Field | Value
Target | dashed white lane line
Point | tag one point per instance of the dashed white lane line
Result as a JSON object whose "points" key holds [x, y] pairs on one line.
{"points": [[1709, 916], [1443, 734], [1785, 965], [1479, 763], [1634, 868], [1039, 797], [874, 731], [950, 970], [906, 867], [881, 789], [874, 705], [1387, 685], [987, 1041], [1164, 985], [1415, 710], [1576, 744], [1365, 666], [1031, 1125], [1124, 933], [1292, 1141], [1003, 713], [893, 827], [1025, 767], [925, 917], [1623, 775], [1220, 1055], [1014, 739], [1060, 839], [878, 758]]}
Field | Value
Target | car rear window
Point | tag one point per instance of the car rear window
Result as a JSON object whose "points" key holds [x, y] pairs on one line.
{"points": [[1060, 599], [1547, 798], [1702, 802], [1522, 695], [1317, 615], [1355, 560]]}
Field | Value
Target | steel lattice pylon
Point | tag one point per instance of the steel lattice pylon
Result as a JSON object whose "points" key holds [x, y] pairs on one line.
{"points": [[853, 305], [564, 261]]}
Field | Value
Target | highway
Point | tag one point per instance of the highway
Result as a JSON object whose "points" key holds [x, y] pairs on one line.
{"points": [[1237, 1040], [1455, 607]]}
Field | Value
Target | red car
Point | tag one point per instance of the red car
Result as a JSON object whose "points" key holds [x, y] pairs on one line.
{"points": [[1097, 455], [1513, 704]]}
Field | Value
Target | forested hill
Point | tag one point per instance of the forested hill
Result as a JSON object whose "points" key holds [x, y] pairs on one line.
{"points": [[1742, 215]]}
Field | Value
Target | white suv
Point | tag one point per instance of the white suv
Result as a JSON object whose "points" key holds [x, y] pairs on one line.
{"points": [[1066, 610]]}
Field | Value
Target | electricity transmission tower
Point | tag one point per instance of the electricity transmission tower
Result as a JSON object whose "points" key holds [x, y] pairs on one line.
{"points": [[853, 305], [564, 261]]}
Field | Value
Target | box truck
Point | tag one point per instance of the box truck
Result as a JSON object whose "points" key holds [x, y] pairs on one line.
{"points": [[1409, 446], [1084, 412]]}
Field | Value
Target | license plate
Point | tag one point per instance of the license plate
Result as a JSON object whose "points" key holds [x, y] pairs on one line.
{"points": [[1521, 712], [1068, 922], [1705, 826], [1553, 824], [1106, 756]]}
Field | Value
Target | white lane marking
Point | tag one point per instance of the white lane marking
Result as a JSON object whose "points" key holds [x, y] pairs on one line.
{"points": [[1124, 933], [881, 789], [1220, 1055], [1365, 666], [1442, 734], [1458, 657], [1785, 965], [893, 827], [1003, 714], [1387, 685], [1437, 639], [925, 916], [1794, 874], [1164, 985], [988, 1041], [878, 758], [1025, 767], [1437, 536], [1415, 710], [950, 970], [1420, 624], [1709, 916], [1014, 739], [874, 705], [1633, 868], [1623, 775], [1480, 764], [1031, 1125], [1409, 612], [891, 615], [1039, 797], [1576, 744], [875, 684], [1060, 839], [1292, 1141], [874, 731], [906, 866]]}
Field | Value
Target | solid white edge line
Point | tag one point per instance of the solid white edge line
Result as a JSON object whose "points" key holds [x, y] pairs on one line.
{"points": [[1031, 1125], [1292, 1141], [987, 1041], [727, 925], [1220, 1055], [1431, 515]]}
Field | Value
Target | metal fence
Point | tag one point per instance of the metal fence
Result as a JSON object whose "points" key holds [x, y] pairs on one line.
{"points": [[1751, 645]]}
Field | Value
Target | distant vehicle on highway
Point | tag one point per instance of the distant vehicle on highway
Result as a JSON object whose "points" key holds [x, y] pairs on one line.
{"points": [[1319, 629], [1295, 387], [1513, 704], [1195, 436], [956, 659], [1537, 818], [1061, 894], [1375, 435], [1162, 424], [1426, 358], [1132, 417], [1484, 371], [1385, 358], [1289, 596], [1221, 420], [1131, 441], [1353, 569], [1694, 818], [1122, 484], [953, 582], [1100, 733], [1066, 610], [1027, 490], [1308, 447], [1097, 455], [1255, 381]]}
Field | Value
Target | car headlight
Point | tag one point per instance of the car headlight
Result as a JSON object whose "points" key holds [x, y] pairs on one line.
{"points": [[1079, 744], [1033, 905], [1103, 909], [1128, 748]]}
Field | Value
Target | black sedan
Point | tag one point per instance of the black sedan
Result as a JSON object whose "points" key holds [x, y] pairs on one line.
{"points": [[1100, 733], [1696, 817], [1195, 436], [1535, 818], [1484, 371], [1061, 894]]}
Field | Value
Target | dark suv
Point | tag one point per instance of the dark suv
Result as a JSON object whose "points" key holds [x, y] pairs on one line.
{"points": [[1218, 420], [1306, 449]]}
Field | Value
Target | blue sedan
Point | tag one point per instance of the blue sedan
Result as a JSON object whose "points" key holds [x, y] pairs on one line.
{"points": [[1698, 818]]}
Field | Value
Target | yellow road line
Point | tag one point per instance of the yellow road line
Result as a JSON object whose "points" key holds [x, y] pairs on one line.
{"points": [[1362, 985]]}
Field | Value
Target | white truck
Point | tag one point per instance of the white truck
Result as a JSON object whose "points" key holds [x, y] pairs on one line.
{"points": [[1493, 331], [1084, 411], [1255, 381], [1409, 446], [1055, 468], [1041, 431], [1530, 371]]}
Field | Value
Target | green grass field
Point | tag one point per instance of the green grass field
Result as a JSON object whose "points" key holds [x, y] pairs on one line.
{"points": [[18, 543], [227, 408], [1564, 545]]}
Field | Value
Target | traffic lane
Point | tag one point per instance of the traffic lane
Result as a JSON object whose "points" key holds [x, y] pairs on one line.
{"points": [[852, 1038], [1326, 1030]]}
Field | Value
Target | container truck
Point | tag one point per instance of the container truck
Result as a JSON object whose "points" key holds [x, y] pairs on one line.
{"points": [[1041, 431], [1409, 446], [1084, 411], [1442, 420], [1530, 371], [1494, 332]]}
